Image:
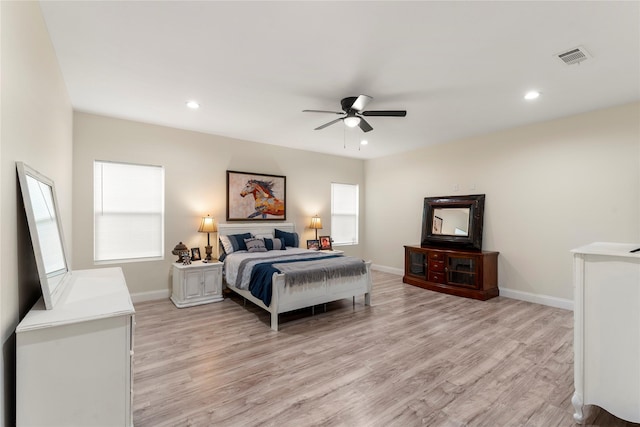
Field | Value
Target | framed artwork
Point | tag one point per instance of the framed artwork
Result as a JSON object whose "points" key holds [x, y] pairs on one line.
{"points": [[255, 197], [313, 244], [195, 254], [437, 225], [325, 242]]}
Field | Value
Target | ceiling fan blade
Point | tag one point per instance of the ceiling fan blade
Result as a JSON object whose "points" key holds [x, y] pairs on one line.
{"points": [[328, 124], [366, 127], [322, 111], [387, 113], [361, 102]]}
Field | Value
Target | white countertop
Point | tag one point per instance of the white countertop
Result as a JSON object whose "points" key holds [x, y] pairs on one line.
{"points": [[609, 248], [90, 294]]}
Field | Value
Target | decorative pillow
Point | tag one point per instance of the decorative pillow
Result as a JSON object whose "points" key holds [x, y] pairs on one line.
{"points": [[263, 236], [290, 239], [234, 242], [275, 244], [255, 245]]}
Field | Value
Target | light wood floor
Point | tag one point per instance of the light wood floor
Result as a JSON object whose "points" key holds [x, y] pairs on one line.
{"points": [[414, 358]]}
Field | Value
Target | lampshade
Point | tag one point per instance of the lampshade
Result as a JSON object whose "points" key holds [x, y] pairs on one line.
{"points": [[352, 121], [207, 225], [316, 222]]}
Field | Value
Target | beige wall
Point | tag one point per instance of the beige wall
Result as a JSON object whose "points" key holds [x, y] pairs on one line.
{"points": [[549, 187], [195, 185], [36, 128]]}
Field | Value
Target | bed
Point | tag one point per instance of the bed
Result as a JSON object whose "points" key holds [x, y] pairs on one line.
{"points": [[338, 281]]}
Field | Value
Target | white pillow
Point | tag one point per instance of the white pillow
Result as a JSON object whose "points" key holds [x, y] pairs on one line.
{"points": [[263, 236], [255, 245]]}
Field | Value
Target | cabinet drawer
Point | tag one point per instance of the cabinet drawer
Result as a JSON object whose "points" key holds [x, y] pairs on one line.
{"points": [[436, 265], [436, 256], [436, 277]]}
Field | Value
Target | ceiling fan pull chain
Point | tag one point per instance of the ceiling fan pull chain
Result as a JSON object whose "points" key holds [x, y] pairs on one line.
{"points": [[344, 137]]}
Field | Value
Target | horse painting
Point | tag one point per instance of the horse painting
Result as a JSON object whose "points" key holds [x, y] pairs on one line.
{"points": [[266, 202]]}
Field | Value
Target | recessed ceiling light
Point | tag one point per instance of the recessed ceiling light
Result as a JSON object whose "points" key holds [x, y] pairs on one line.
{"points": [[364, 142], [531, 95], [193, 104]]}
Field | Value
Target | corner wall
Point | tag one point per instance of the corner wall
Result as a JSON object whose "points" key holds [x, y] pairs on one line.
{"points": [[195, 185], [549, 187], [36, 128]]}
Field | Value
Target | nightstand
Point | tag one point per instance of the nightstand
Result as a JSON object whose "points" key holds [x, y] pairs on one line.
{"points": [[332, 251], [197, 283]]}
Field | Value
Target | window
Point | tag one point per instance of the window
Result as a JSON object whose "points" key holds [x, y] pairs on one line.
{"points": [[344, 214], [128, 206]]}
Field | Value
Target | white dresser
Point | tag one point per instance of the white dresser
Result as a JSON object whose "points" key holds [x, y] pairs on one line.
{"points": [[607, 330], [74, 362], [197, 283]]}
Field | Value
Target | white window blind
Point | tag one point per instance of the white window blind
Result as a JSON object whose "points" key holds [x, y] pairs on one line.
{"points": [[344, 214], [128, 211]]}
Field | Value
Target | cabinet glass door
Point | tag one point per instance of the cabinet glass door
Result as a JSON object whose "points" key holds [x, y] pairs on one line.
{"points": [[416, 264], [461, 271]]}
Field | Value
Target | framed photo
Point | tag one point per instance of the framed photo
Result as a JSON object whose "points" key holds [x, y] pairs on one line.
{"points": [[325, 243], [195, 254], [313, 244], [255, 197]]}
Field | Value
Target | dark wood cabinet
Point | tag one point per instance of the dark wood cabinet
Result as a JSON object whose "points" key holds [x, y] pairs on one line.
{"points": [[465, 273]]}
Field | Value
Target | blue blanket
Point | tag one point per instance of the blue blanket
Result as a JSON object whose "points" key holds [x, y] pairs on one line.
{"points": [[262, 275]]}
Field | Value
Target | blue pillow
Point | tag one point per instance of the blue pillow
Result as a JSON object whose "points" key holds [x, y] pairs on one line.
{"points": [[234, 242], [290, 239], [275, 244]]}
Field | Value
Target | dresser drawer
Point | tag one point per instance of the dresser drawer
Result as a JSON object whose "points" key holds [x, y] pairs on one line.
{"points": [[436, 277], [436, 255], [436, 265]]}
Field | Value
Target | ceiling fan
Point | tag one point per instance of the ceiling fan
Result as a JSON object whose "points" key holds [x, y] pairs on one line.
{"points": [[352, 109]]}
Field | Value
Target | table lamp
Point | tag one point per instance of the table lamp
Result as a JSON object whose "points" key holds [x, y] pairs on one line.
{"points": [[316, 223], [208, 226]]}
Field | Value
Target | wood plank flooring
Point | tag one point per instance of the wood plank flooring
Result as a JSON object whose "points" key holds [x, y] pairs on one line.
{"points": [[414, 358]]}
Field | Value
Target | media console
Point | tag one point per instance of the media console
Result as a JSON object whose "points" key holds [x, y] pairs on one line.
{"points": [[465, 273]]}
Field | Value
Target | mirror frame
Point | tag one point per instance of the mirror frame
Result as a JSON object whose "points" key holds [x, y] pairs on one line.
{"points": [[50, 296], [473, 240]]}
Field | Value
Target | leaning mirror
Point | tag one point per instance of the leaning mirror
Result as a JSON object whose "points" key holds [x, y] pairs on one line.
{"points": [[453, 221], [45, 228]]}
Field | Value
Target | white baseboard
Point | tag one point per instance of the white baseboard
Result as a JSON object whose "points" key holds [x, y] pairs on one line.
{"points": [[385, 269], [504, 292], [537, 298], [150, 296]]}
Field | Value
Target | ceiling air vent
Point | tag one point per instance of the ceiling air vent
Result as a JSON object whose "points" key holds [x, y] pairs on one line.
{"points": [[574, 56]]}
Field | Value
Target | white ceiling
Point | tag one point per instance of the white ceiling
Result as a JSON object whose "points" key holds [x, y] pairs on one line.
{"points": [[458, 68]]}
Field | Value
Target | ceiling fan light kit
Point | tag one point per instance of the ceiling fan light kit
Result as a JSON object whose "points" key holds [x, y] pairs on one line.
{"points": [[353, 112], [352, 121]]}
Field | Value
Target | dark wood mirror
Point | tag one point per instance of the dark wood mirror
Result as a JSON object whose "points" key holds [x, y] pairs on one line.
{"points": [[454, 221]]}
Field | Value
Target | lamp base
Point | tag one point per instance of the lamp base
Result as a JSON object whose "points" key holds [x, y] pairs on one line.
{"points": [[208, 249]]}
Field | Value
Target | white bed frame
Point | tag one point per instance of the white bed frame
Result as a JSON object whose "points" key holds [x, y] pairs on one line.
{"points": [[283, 299]]}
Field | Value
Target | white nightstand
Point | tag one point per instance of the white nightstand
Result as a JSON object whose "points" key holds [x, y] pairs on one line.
{"points": [[197, 283], [329, 251]]}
